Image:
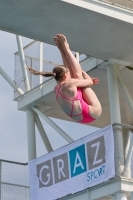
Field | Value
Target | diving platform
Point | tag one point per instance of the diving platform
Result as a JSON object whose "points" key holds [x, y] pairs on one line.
{"points": [[92, 27]]}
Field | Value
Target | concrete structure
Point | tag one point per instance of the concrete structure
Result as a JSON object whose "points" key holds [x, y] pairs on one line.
{"points": [[102, 31]]}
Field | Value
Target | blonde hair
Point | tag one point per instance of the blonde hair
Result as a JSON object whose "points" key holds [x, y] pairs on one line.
{"points": [[57, 73]]}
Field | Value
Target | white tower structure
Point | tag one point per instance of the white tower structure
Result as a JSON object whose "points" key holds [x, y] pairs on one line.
{"points": [[102, 30]]}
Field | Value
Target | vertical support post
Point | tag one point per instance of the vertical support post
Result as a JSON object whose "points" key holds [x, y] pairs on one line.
{"points": [[121, 196], [23, 64], [89, 195], [31, 134], [115, 117], [113, 94], [0, 176], [41, 61], [125, 92], [113, 197], [131, 196], [43, 133], [30, 75], [126, 138], [127, 152]]}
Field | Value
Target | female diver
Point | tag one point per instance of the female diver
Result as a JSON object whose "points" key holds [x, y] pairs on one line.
{"points": [[73, 92]]}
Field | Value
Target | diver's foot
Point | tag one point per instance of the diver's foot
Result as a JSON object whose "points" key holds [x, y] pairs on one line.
{"points": [[63, 42], [57, 43]]}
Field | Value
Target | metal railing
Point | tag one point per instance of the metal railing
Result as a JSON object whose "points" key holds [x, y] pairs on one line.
{"points": [[14, 180], [51, 58]]}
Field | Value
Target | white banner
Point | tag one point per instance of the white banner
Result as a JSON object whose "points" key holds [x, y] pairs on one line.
{"points": [[75, 167]]}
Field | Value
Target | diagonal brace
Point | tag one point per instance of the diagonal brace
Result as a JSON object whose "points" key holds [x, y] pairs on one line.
{"points": [[43, 133], [10, 81], [54, 126]]}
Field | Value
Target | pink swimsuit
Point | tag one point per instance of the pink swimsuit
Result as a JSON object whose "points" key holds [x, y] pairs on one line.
{"points": [[85, 113]]}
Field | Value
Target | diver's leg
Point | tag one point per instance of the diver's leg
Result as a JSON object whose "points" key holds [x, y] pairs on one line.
{"points": [[91, 99], [75, 66], [88, 94], [64, 58]]}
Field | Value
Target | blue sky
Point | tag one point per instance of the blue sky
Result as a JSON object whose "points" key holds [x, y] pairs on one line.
{"points": [[13, 133]]}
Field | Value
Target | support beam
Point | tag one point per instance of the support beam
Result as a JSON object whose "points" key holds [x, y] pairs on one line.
{"points": [[41, 61], [31, 75], [54, 126], [131, 196], [125, 92], [23, 63], [10, 81], [115, 117], [129, 102], [126, 146], [113, 94], [31, 135], [43, 134]]}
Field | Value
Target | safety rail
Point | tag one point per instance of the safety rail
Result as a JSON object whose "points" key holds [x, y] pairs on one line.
{"points": [[14, 180], [51, 57]]}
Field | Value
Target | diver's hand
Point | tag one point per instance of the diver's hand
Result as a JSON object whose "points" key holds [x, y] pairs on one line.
{"points": [[86, 76], [95, 80]]}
